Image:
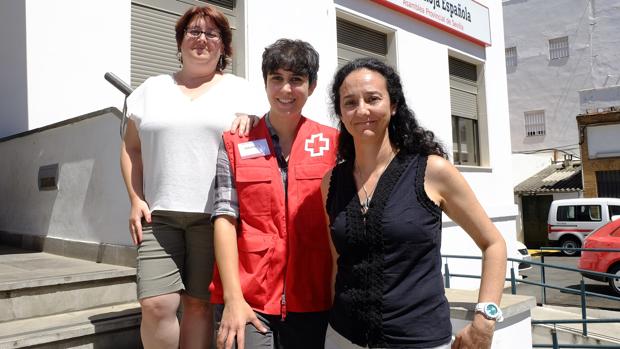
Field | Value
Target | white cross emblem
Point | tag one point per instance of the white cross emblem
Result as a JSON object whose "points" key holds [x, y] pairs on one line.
{"points": [[314, 142]]}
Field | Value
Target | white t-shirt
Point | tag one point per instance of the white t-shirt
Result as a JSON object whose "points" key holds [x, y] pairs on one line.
{"points": [[179, 138]]}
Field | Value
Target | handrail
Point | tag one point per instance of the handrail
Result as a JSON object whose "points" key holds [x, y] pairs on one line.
{"points": [[118, 83], [584, 321], [582, 346], [126, 90], [551, 248]]}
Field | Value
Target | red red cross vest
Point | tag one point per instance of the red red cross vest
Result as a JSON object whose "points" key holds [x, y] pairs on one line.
{"points": [[284, 255]]}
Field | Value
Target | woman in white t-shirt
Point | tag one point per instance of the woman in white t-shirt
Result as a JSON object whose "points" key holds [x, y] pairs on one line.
{"points": [[168, 163]]}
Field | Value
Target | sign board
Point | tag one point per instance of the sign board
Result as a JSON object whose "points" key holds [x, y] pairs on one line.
{"points": [[603, 141], [464, 18]]}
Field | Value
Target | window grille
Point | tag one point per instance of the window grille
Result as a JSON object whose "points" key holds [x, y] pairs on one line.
{"points": [[511, 56], [535, 123], [558, 48]]}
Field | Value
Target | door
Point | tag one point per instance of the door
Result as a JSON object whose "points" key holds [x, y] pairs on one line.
{"points": [[608, 184], [534, 216]]}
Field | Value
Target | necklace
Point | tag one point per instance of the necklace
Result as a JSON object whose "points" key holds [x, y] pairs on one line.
{"points": [[365, 204]]}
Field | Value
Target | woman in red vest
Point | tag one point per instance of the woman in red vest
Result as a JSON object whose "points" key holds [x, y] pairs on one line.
{"points": [[272, 283]]}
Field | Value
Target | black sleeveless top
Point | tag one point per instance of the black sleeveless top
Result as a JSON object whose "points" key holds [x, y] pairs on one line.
{"points": [[389, 286]]}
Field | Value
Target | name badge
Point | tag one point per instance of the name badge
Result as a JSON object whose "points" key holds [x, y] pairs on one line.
{"points": [[254, 149]]}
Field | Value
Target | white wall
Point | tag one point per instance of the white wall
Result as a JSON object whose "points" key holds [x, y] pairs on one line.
{"points": [[553, 85], [90, 181], [526, 165], [311, 21], [13, 92], [91, 203], [71, 44]]}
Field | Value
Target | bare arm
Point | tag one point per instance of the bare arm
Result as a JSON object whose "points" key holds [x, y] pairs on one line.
{"points": [[324, 191], [237, 313], [131, 169], [446, 186]]}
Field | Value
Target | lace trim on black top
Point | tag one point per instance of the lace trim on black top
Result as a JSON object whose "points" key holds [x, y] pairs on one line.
{"points": [[365, 237], [422, 197]]}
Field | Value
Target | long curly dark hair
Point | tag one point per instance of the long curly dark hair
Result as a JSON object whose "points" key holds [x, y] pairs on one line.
{"points": [[404, 131]]}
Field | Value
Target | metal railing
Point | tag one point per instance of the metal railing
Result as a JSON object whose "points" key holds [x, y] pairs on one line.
{"points": [[126, 90], [584, 321]]}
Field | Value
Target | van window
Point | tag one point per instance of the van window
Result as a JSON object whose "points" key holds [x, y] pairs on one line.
{"points": [[614, 210], [579, 213]]}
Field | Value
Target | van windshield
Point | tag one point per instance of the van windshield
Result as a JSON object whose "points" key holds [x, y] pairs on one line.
{"points": [[579, 213]]}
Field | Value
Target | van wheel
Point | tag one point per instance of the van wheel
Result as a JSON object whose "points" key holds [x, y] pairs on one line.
{"points": [[615, 283], [570, 242]]}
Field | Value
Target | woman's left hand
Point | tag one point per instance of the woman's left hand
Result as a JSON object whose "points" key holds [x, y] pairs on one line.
{"points": [[243, 123], [476, 335]]}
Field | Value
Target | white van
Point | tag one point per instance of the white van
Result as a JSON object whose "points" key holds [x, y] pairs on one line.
{"points": [[571, 220]]}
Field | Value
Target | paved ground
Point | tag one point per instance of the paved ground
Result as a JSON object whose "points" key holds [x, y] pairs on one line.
{"points": [[567, 279]]}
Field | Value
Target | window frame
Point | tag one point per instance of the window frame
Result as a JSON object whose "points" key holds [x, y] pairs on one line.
{"points": [[459, 151], [481, 133], [559, 48], [564, 213], [346, 52], [511, 58], [535, 123]]}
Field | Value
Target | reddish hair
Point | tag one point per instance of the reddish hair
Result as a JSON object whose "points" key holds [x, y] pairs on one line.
{"points": [[220, 20]]}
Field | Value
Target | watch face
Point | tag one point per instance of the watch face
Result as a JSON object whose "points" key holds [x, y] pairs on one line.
{"points": [[491, 310]]}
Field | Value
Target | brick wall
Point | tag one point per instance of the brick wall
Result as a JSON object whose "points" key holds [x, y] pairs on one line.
{"points": [[591, 166]]}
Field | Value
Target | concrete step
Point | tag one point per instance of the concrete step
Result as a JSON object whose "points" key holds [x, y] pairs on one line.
{"points": [[116, 326], [35, 284], [598, 334]]}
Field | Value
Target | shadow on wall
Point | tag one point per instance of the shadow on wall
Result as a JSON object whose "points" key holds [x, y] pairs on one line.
{"points": [[90, 203]]}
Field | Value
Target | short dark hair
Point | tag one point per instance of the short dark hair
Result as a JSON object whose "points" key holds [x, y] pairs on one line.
{"points": [[220, 20], [296, 56], [404, 131]]}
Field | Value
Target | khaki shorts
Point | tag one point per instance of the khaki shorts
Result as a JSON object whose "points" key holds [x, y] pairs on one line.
{"points": [[176, 254]]}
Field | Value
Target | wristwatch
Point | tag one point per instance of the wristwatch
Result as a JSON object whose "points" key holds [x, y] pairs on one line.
{"points": [[490, 311]]}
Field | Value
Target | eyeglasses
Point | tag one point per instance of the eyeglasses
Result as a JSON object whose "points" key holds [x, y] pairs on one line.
{"points": [[196, 33]]}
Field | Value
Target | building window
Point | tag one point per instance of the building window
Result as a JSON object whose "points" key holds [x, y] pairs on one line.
{"points": [[465, 141], [534, 123], [153, 43], [355, 41], [464, 106], [229, 4], [511, 56], [558, 48]]}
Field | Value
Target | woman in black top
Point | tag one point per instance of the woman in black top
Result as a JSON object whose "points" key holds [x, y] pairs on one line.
{"points": [[384, 201]]}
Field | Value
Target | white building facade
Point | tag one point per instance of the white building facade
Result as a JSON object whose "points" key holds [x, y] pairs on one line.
{"points": [[562, 60], [450, 55]]}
